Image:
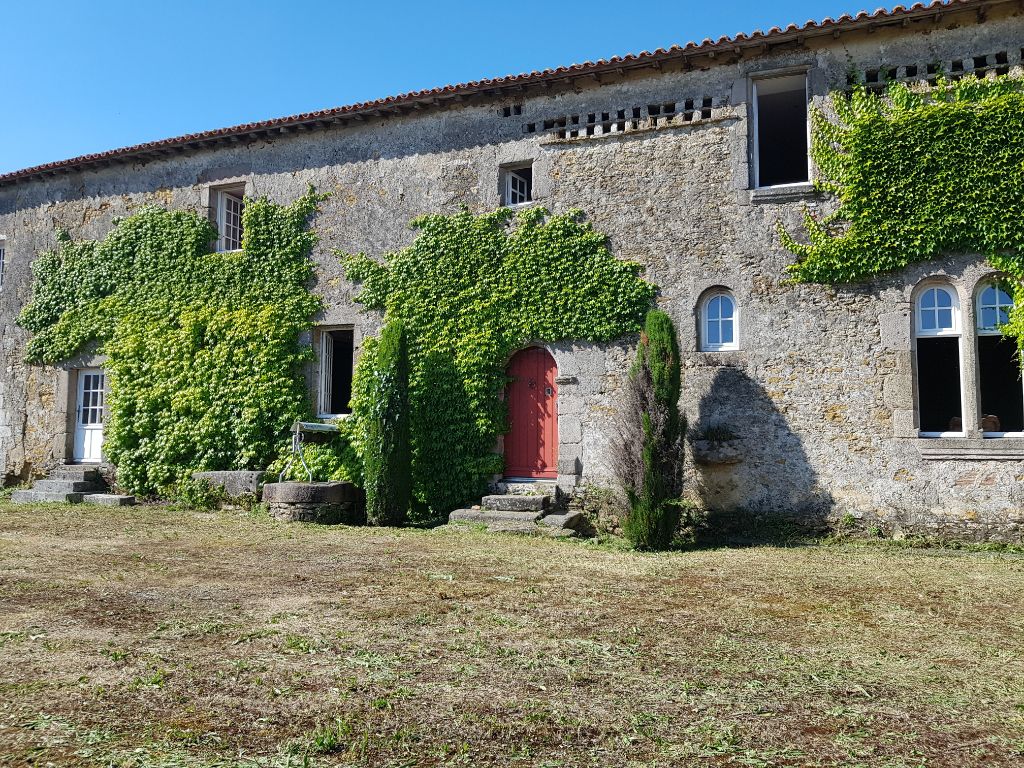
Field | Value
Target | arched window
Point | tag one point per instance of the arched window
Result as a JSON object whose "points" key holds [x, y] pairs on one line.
{"points": [[1001, 394], [939, 391], [719, 322]]}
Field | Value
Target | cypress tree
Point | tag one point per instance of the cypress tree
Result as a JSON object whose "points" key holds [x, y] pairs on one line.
{"points": [[653, 468], [387, 457]]}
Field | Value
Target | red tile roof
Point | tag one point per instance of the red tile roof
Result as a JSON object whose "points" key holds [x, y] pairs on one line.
{"points": [[494, 86]]}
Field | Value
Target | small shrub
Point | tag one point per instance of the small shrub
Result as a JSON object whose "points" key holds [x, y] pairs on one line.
{"points": [[387, 458], [196, 494], [650, 444]]}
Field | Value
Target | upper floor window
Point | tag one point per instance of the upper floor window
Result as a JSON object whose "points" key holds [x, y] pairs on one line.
{"points": [[939, 391], [780, 131], [336, 366], [229, 220], [938, 312], [1000, 390], [719, 319], [517, 185]]}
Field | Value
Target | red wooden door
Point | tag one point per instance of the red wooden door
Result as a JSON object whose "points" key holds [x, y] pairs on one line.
{"points": [[531, 445]]}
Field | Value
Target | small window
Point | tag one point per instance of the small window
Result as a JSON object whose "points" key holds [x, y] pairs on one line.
{"points": [[939, 393], [229, 220], [719, 321], [3, 262], [780, 131], [336, 358], [1001, 395], [518, 185]]}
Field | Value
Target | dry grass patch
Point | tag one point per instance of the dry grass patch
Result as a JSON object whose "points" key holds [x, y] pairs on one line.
{"points": [[148, 637]]}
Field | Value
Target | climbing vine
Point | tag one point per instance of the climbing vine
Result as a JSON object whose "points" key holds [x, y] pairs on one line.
{"points": [[918, 174], [472, 290], [203, 353]]}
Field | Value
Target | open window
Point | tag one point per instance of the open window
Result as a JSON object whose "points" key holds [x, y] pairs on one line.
{"points": [[719, 322], [229, 205], [1001, 393], [336, 364], [939, 389], [780, 131], [517, 184]]}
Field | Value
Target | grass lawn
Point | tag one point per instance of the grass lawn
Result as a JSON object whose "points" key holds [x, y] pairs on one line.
{"points": [[151, 637]]}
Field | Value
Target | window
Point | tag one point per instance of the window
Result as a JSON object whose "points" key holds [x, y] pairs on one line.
{"points": [[336, 353], [719, 318], [939, 392], [518, 185], [1001, 394], [3, 261], [780, 131], [229, 220]]}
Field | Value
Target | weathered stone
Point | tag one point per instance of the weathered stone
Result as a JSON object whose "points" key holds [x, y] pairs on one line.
{"points": [[235, 484], [109, 499], [308, 493], [492, 516], [36, 497], [515, 503], [717, 451], [66, 486]]}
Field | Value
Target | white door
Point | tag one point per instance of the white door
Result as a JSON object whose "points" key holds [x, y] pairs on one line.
{"points": [[89, 415]]}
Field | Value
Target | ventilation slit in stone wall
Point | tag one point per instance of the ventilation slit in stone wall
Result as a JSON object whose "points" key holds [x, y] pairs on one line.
{"points": [[705, 111]]}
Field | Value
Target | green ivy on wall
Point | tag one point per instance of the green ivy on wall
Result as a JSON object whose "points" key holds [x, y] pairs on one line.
{"points": [[203, 353], [472, 290], [918, 174]]}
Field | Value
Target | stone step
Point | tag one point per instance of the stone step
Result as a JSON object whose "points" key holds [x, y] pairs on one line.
{"points": [[36, 497], [109, 499], [491, 517], [524, 488], [74, 472], [50, 485], [571, 520], [515, 503]]}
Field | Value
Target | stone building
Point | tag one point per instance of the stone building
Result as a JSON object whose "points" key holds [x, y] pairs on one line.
{"points": [[802, 399]]}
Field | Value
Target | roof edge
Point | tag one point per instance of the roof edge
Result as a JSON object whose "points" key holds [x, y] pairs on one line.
{"points": [[436, 97]]}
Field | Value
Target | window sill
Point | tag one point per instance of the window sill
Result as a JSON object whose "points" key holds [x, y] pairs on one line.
{"points": [[338, 416], [783, 193], [971, 449]]}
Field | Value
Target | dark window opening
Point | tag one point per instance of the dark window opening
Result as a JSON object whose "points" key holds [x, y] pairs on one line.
{"points": [[705, 111], [911, 71], [336, 353], [938, 384], [781, 131], [1002, 400]]}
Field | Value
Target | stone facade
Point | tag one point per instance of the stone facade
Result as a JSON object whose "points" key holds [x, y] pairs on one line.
{"points": [[821, 392]]}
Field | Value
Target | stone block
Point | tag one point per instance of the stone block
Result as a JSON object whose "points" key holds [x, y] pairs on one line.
{"points": [[235, 483], [66, 486], [515, 503], [570, 429], [308, 493], [109, 499], [38, 497], [489, 517]]}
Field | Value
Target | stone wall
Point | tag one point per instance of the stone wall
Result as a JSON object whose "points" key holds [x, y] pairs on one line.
{"points": [[820, 393]]}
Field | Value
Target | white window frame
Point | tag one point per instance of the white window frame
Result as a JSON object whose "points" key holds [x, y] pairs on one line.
{"points": [[954, 332], [224, 199], [756, 144], [983, 331], [705, 320], [511, 175], [326, 380]]}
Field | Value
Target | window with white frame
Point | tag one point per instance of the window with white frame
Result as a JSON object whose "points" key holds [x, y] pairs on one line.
{"points": [[3, 261], [336, 365], [517, 185], [719, 322], [937, 341], [229, 220], [780, 131], [1000, 390]]}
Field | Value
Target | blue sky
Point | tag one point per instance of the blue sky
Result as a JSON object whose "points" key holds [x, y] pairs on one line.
{"points": [[87, 76]]}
